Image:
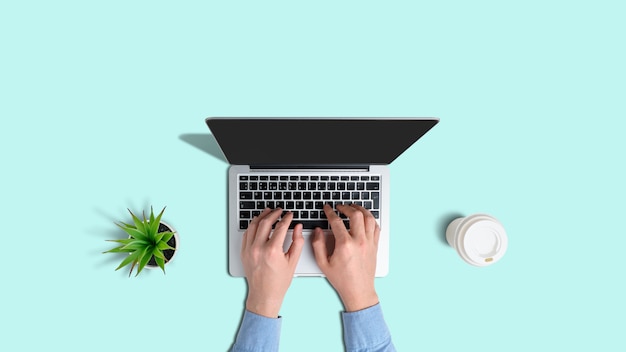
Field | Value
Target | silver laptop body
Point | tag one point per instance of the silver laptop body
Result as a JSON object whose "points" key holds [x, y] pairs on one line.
{"points": [[299, 164]]}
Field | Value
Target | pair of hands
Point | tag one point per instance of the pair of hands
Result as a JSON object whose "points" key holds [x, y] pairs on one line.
{"points": [[350, 269]]}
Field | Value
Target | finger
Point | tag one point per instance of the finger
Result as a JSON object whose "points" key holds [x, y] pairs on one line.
{"points": [[244, 242], [319, 248], [252, 226], [368, 220], [297, 242], [265, 225], [357, 226], [336, 224], [376, 235], [280, 230]]}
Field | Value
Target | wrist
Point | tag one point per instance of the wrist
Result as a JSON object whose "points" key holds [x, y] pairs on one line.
{"points": [[353, 303], [265, 307]]}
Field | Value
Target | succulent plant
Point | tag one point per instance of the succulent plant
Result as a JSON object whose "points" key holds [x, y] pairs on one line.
{"points": [[144, 242]]}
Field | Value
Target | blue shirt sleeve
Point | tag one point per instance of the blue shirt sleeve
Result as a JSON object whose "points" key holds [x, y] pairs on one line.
{"points": [[257, 334], [366, 331]]}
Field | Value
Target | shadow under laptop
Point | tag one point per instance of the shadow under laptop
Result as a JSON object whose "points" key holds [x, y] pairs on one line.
{"points": [[205, 142]]}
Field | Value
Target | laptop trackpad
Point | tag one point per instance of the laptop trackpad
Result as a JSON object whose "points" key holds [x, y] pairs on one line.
{"points": [[307, 266]]}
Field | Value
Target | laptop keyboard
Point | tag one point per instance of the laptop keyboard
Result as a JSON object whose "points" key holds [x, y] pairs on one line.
{"points": [[305, 196]]}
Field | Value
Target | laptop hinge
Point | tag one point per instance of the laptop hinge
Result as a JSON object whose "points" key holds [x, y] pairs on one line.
{"points": [[316, 167]]}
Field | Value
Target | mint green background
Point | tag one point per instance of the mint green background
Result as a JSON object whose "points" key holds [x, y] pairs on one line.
{"points": [[103, 107]]}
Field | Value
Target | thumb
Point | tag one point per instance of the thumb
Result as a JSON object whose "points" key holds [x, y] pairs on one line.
{"points": [[319, 248], [297, 242]]}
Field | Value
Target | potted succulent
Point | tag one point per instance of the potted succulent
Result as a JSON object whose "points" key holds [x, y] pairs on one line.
{"points": [[151, 243]]}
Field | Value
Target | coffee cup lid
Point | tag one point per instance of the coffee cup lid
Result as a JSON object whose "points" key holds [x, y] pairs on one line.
{"points": [[481, 240]]}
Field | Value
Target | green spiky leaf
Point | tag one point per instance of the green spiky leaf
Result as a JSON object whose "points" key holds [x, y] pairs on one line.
{"points": [[163, 246], [131, 258], [154, 225], [161, 263], [138, 223], [145, 258]]}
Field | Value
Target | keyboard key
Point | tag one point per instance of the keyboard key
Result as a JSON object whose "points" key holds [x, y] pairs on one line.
{"points": [[260, 205], [345, 195], [263, 178], [293, 178], [355, 195], [290, 205], [273, 178], [372, 186], [365, 178], [254, 186], [304, 214], [273, 186], [245, 195], [297, 195], [354, 178], [263, 186], [314, 214], [267, 195], [321, 186], [282, 186], [365, 195], [324, 178], [292, 186], [286, 195], [243, 186], [375, 213], [325, 195], [341, 186], [351, 186], [317, 195], [312, 186], [300, 205], [331, 186], [336, 195], [334, 178], [254, 178], [301, 186], [243, 224], [256, 213], [308, 205], [278, 195], [376, 200], [284, 178], [304, 178], [258, 195], [319, 205], [270, 205], [246, 205], [344, 178], [245, 214], [375, 178], [314, 178], [306, 195], [367, 204], [360, 186], [280, 204], [243, 177], [310, 224]]}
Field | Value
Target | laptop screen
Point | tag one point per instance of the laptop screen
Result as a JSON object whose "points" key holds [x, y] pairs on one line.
{"points": [[308, 141]]}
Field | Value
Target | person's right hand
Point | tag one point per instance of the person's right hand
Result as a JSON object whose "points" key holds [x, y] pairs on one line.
{"points": [[351, 267]]}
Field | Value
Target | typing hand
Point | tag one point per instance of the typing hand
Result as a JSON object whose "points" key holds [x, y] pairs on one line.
{"points": [[268, 269], [352, 266]]}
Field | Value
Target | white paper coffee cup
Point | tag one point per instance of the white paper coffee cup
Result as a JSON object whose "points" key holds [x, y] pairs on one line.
{"points": [[479, 239]]}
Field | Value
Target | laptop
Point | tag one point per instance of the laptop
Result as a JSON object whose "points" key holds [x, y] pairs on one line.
{"points": [[299, 164]]}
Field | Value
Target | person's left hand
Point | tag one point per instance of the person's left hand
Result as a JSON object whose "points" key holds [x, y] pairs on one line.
{"points": [[268, 269]]}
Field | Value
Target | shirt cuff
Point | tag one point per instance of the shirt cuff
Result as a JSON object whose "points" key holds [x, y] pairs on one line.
{"points": [[365, 329], [257, 333]]}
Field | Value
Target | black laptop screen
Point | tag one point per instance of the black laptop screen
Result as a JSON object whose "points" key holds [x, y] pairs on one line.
{"points": [[301, 142]]}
